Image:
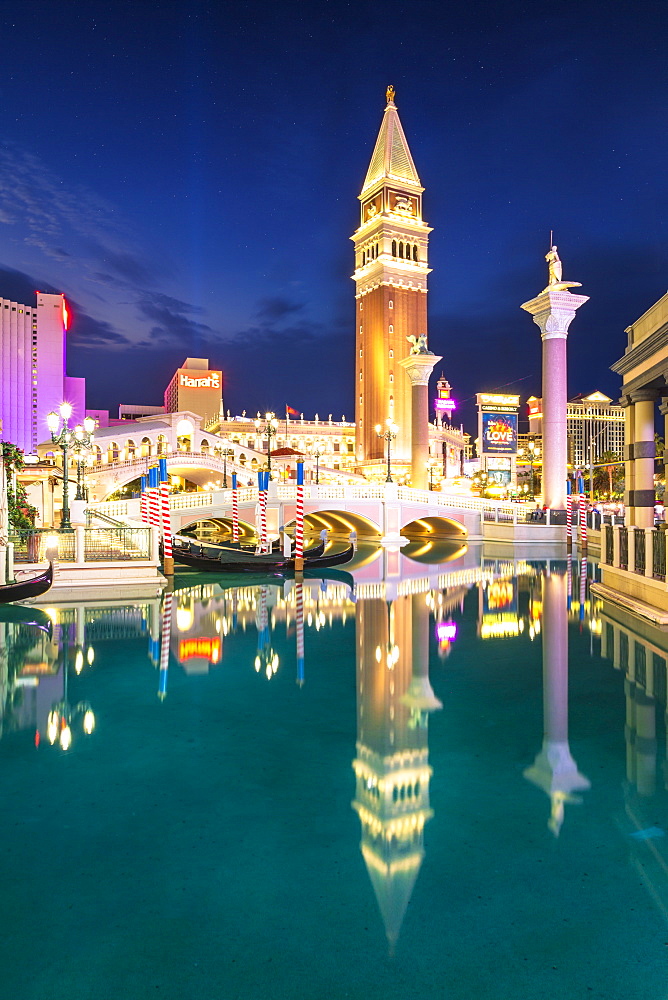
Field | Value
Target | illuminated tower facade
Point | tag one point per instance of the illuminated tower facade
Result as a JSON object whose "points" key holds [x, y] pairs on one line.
{"points": [[391, 291]]}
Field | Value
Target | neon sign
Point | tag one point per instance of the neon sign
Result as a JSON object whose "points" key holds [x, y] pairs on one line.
{"points": [[445, 405], [446, 631]]}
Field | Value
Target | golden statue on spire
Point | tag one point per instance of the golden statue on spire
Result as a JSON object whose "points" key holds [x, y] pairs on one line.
{"points": [[554, 271], [389, 93]]}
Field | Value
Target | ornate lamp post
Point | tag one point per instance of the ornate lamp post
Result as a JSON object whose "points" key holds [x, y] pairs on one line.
{"points": [[268, 430], [63, 437], [317, 451], [227, 452], [389, 434], [63, 713], [83, 441]]}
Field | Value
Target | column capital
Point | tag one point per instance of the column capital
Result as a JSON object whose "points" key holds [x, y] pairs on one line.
{"points": [[419, 367], [644, 395], [553, 312]]}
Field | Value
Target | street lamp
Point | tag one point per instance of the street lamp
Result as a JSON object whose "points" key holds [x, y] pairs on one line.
{"points": [[226, 452], [430, 470], [389, 435], [268, 430], [317, 451], [63, 437], [83, 440], [63, 713]]}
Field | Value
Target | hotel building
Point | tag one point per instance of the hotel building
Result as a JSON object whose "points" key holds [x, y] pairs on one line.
{"points": [[32, 369], [594, 425]]}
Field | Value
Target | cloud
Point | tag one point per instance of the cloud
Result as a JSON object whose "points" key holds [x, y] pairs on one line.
{"points": [[20, 287], [69, 224], [173, 324], [274, 309]]}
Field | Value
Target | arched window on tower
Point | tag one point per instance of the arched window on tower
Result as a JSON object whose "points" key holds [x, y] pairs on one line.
{"points": [[391, 353], [401, 250], [391, 377], [415, 255], [394, 248]]}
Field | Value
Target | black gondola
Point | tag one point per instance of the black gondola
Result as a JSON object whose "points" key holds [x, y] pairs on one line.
{"points": [[25, 589], [233, 561]]}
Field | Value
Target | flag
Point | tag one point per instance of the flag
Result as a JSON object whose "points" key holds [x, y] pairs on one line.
{"points": [[291, 411]]}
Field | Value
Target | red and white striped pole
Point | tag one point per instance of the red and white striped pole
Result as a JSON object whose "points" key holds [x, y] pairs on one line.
{"points": [[235, 509], [569, 520], [153, 498], [263, 481], [165, 520], [299, 520], [583, 521], [143, 499]]}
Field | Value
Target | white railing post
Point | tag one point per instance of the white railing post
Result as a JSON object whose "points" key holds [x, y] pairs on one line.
{"points": [[616, 528], [631, 555], [650, 535], [155, 546], [79, 544]]}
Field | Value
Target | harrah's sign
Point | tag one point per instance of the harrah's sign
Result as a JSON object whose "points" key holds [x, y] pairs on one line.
{"points": [[207, 380]]}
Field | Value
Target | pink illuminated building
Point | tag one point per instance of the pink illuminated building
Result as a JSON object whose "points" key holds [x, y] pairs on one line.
{"points": [[33, 379]]}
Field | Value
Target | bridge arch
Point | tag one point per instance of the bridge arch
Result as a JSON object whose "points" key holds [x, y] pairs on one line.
{"points": [[215, 526], [341, 522]]}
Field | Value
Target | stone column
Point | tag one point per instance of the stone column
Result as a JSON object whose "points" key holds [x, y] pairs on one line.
{"points": [[629, 472], [552, 312], [419, 367], [644, 451]]}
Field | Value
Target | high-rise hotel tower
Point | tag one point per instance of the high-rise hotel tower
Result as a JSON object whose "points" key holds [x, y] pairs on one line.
{"points": [[391, 290], [32, 369]]}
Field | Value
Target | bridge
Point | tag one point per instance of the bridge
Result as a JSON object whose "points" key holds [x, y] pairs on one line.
{"points": [[385, 513], [206, 469]]}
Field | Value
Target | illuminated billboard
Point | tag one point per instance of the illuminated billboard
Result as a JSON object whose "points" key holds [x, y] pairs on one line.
{"points": [[444, 405], [499, 433]]}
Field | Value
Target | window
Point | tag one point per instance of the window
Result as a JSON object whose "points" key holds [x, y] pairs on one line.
{"points": [[390, 304], [391, 377], [391, 328], [360, 376], [401, 250], [415, 253], [360, 352], [394, 251], [391, 353], [361, 327]]}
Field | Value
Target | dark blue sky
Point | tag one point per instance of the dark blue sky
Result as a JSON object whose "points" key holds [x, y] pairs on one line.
{"points": [[187, 173]]}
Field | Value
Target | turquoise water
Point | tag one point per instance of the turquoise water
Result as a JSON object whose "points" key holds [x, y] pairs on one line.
{"points": [[423, 804]]}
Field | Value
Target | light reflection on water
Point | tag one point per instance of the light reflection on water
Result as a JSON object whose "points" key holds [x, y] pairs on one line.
{"points": [[446, 688]]}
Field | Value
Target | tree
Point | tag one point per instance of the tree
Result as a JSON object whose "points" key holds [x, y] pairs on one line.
{"points": [[609, 474], [20, 512]]}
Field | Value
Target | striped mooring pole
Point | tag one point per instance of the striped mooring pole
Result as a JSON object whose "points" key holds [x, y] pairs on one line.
{"points": [[583, 521], [299, 520], [235, 509], [165, 520], [143, 500]]}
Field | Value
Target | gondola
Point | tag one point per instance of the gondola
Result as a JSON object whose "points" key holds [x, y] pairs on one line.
{"points": [[26, 589], [236, 548], [233, 561]]}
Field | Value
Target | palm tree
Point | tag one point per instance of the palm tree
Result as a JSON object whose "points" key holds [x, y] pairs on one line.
{"points": [[614, 468]]}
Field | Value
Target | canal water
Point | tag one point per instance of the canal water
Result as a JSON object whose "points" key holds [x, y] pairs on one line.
{"points": [[419, 780]]}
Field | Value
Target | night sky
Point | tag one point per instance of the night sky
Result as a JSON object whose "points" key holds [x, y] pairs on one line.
{"points": [[187, 173]]}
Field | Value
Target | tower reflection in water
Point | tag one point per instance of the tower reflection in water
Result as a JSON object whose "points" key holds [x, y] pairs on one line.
{"points": [[394, 700]]}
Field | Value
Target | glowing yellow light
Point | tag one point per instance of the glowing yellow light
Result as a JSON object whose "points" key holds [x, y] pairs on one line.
{"points": [[90, 656], [65, 737], [52, 727], [79, 661], [88, 722]]}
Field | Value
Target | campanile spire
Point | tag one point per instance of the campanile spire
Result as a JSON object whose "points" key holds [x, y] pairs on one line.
{"points": [[391, 285]]}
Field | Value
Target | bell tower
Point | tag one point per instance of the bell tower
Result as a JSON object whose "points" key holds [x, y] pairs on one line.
{"points": [[391, 291]]}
